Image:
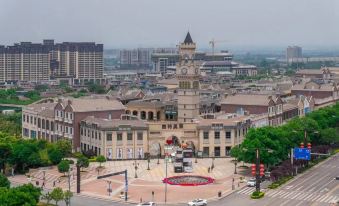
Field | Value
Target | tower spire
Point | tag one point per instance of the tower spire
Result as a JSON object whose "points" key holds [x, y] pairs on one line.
{"points": [[188, 39]]}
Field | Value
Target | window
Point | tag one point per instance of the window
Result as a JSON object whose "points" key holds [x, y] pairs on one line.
{"points": [[99, 135], [24, 117], [109, 137], [140, 136], [119, 137], [71, 130], [71, 116], [129, 136], [216, 135], [163, 126], [205, 135], [228, 135], [96, 135], [206, 151], [217, 151], [181, 126], [81, 131]]}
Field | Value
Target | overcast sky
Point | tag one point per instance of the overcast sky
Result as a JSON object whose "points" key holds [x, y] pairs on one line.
{"points": [[146, 23]]}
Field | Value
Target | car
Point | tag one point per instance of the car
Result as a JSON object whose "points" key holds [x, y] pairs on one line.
{"points": [[251, 182], [147, 204], [198, 202]]}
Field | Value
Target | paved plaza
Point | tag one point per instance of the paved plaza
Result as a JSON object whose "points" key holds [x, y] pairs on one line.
{"points": [[148, 181]]}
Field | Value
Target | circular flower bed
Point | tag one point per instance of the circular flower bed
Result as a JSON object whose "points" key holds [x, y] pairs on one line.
{"points": [[188, 180]]}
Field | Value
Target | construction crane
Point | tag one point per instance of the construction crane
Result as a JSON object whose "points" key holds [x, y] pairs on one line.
{"points": [[213, 42]]}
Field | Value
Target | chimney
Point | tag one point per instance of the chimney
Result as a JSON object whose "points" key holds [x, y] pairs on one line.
{"points": [[69, 102]]}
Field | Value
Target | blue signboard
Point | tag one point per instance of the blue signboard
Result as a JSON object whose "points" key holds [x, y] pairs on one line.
{"points": [[302, 154]]}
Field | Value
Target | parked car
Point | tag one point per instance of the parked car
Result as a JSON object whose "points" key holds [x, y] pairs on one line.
{"points": [[198, 202], [147, 204], [251, 182]]}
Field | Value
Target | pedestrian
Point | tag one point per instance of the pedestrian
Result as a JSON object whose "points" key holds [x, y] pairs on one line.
{"points": [[54, 183], [37, 183], [239, 184], [43, 184], [209, 169], [233, 180], [12, 171], [140, 199]]}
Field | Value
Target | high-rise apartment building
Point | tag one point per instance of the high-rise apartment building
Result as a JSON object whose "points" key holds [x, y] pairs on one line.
{"points": [[135, 58], [77, 62], [293, 52], [24, 62]]}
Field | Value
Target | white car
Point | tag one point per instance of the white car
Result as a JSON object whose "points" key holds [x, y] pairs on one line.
{"points": [[251, 182], [198, 202], [147, 204]]}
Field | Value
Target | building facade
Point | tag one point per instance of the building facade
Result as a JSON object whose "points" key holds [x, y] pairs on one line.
{"points": [[114, 138]]}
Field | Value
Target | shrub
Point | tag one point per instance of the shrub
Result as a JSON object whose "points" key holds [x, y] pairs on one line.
{"points": [[4, 182], [257, 195], [278, 183]]}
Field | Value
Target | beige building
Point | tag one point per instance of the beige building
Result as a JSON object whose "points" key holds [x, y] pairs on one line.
{"points": [[218, 136], [114, 138], [38, 121]]}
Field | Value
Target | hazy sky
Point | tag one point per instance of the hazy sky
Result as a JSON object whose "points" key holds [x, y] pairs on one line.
{"points": [[143, 23]]}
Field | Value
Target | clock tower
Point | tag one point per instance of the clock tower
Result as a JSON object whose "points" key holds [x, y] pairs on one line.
{"points": [[188, 74]]}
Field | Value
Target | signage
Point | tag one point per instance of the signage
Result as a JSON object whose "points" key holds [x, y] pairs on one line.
{"points": [[302, 154]]}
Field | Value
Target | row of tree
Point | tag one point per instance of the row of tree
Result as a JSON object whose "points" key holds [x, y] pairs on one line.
{"points": [[27, 194], [22, 154], [275, 143]]}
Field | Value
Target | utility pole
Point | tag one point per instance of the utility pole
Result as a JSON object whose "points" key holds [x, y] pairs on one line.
{"points": [[166, 181], [257, 171]]}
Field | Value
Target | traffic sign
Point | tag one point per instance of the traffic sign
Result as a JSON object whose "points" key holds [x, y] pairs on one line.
{"points": [[302, 154]]}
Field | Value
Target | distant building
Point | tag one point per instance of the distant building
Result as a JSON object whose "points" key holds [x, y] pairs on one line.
{"points": [[76, 63], [135, 58], [293, 52]]}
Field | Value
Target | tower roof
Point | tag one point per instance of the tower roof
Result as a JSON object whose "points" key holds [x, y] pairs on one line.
{"points": [[188, 39]]}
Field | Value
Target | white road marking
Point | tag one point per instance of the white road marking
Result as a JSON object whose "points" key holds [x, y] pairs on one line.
{"points": [[324, 197]]}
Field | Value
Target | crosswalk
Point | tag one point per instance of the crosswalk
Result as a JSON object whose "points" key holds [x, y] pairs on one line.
{"points": [[294, 195]]}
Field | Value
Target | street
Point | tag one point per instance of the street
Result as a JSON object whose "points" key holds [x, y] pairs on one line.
{"points": [[316, 187]]}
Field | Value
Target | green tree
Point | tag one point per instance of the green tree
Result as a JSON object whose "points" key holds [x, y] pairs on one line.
{"points": [[4, 182], [67, 196], [47, 196], [57, 195], [101, 159], [5, 153], [329, 136], [55, 155], [65, 147], [83, 162], [63, 166]]}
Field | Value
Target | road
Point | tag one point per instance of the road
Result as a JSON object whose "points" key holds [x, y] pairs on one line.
{"points": [[316, 187]]}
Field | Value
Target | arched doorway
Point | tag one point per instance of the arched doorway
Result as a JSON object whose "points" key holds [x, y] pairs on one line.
{"points": [[135, 113], [128, 112]]}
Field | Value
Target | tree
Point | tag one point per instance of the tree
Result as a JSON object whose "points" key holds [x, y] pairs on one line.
{"points": [[83, 162], [5, 153], [101, 159], [26, 195], [67, 196], [63, 166], [55, 155], [47, 196], [4, 182], [65, 147], [57, 195]]}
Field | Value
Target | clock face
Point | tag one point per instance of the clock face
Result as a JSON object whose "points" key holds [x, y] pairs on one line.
{"points": [[196, 70], [184, 71]]}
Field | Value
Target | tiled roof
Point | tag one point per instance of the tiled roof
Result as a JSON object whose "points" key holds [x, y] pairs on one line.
{"points": [[113, 123], [246, 99], [225, 122]]}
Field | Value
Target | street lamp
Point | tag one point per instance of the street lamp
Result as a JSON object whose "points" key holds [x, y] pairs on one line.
{"points": [[158, 158], [109, 190], [135, 168], [148, 161], [235, 166]]}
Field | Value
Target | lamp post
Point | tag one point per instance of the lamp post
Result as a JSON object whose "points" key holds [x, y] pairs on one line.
{"points": [[158, 158], [109, 190], [148, 161], [235, 166], [135, 168], [166, 160], [69, 185]]}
